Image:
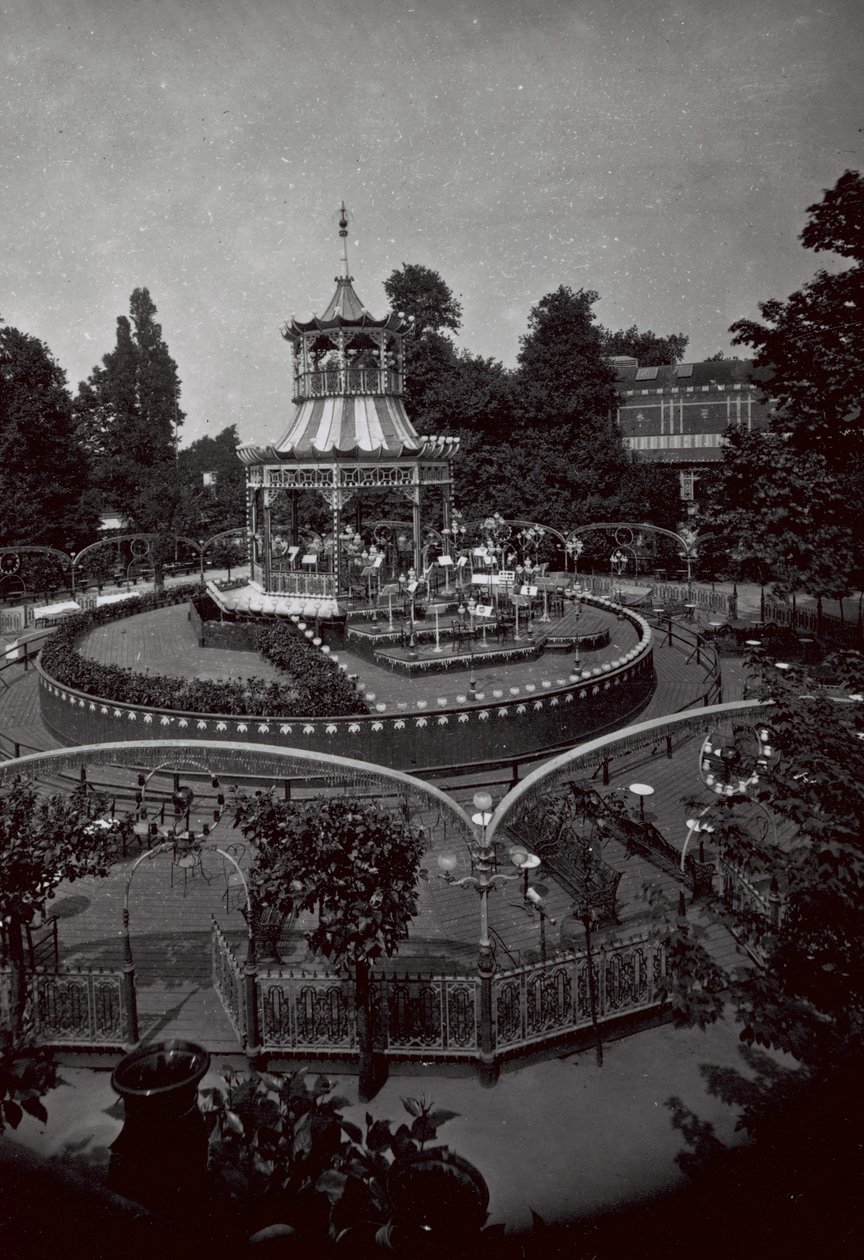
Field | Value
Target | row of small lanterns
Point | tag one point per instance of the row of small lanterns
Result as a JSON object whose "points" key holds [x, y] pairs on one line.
{"points": [[498, 693], [323, 608]]}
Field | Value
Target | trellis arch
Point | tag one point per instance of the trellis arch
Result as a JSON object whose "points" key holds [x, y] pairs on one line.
{"points": [[265, 761], [686, 541]]}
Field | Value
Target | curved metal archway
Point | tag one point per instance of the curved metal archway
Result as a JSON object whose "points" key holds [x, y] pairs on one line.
{"points": [[686, 541], [266, 761]]}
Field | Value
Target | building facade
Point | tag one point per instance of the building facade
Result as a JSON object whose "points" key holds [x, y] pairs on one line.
{"points": [[677, 414]]}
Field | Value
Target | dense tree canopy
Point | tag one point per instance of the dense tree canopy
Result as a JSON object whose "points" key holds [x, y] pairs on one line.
{"points": [[539, 439], [780, 514], [129, 416], [43, 467], [423, 297], [650, 349], [220, 504], [812, 345], [563, 376], [791, 496]]}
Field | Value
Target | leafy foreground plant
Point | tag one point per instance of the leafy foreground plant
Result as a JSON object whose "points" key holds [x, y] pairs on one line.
{"points": [[27, 1074], [281, 1148]]}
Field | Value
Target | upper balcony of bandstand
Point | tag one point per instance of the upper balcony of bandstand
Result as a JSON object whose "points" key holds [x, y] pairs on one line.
{"points": [[335, 381]]}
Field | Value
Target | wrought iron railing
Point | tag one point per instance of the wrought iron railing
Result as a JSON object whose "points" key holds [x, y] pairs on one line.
{"points": [[416, 1015], [762, 902], [437, 1016], [297, 582], [806, 619], [549, 1000], [227, 975], [309, 1013], [704, 597], [73, 1008]]}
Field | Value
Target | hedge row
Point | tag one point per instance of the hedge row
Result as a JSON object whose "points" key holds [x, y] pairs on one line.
{"points": [[316, 687]]}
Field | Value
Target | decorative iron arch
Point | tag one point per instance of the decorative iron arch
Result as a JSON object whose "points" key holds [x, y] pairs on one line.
{"points": [[265, 760], [686, 541]]}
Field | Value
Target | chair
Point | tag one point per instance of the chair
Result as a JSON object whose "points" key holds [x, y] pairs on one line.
{"points": [[186, 860]]}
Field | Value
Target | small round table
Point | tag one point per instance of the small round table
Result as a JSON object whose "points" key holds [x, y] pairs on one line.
{"points": [[641, 790], [525, 864]]}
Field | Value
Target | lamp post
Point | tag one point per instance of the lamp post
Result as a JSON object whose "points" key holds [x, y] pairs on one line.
{"points": [[483, 881]]}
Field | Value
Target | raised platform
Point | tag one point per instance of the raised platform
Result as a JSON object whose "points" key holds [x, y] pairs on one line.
{"points": [[516, 708], [442, 646]]}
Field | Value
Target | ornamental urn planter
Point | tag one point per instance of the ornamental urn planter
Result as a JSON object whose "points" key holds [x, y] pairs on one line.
{"points": [[159, 1158]]}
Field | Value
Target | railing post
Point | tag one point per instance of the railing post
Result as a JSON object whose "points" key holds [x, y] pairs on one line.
{"points": [[250, 992], [487, 1067], [130, 1002], [669, 746]]}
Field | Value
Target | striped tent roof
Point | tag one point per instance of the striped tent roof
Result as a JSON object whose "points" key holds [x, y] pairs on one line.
{"points": [[345, 425]]}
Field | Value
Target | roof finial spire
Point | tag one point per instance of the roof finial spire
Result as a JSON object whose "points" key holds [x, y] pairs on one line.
{"points": [[343, 232]]}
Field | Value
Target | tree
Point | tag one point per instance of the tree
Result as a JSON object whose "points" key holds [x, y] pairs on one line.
{"points": [[812, 345], [128, 417], [789, 496], [354, 864], [563, 375], [221, 505], [424, 298], [806, 999], [43, 841], [650, 349], [540, 439], [780, 513], [44, 492]]}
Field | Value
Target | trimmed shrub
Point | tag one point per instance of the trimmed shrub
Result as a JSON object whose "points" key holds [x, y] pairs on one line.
{"points": [[316, 686]]}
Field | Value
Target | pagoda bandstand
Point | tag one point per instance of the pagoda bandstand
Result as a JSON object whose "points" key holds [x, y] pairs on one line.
{"points": [[349, 434]]}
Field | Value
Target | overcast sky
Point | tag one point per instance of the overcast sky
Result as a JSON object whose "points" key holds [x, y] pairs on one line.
{"points": [[662, 153]]}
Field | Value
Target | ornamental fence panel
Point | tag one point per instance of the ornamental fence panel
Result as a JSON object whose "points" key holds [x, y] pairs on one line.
{"points": [[534, 1004], [11, 620], [81, 1008], [723, 602], [439, 1016], [703, 597], [808, 620], [227, 974], [416, 1015], [758, 906], [309, 1014]]}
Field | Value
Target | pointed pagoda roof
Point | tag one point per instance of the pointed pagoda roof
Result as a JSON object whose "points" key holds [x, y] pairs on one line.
{"points": [[344, 310]]}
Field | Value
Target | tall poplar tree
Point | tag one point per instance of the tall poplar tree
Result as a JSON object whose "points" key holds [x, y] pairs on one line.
{"points": [[44, 471], [129, 416]]}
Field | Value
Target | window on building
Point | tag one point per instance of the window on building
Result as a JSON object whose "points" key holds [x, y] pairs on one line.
{"points": [[688, 486]]}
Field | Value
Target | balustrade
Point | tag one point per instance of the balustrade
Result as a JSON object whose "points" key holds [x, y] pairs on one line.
{"points": [[329, 381]]}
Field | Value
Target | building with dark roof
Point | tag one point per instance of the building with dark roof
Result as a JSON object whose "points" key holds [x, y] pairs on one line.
{"points": [[677, 414]]}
